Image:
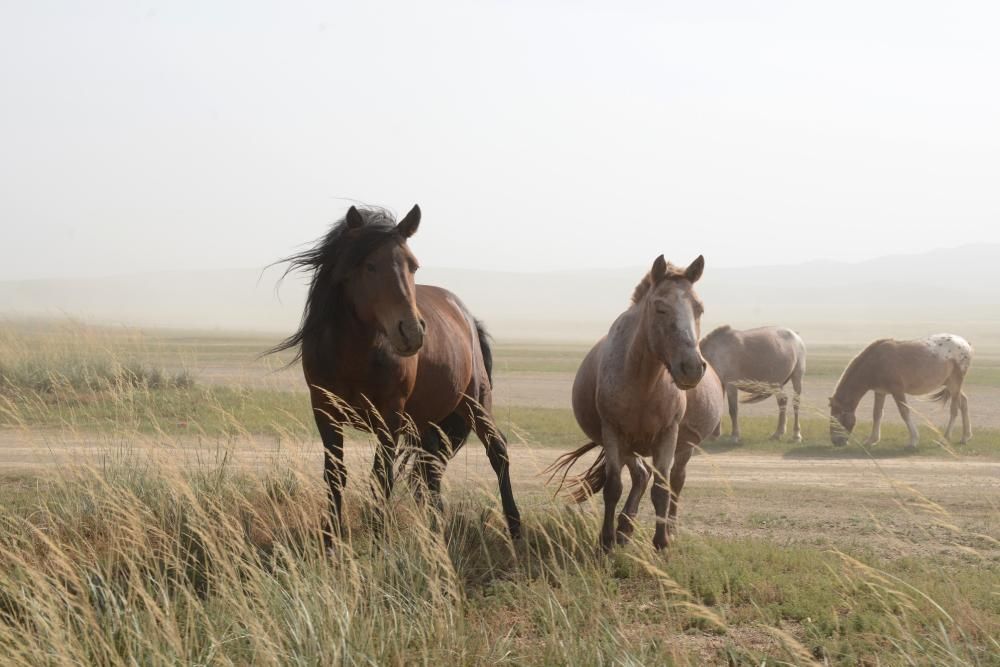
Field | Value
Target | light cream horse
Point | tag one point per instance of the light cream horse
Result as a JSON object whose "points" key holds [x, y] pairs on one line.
{"points": [[629, 395], [900, 368], [761, 362]]}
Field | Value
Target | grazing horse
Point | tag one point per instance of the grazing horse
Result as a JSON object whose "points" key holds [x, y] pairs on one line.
{"points": [[897, 368], [629, 395], [759, 361], [379, 352]]}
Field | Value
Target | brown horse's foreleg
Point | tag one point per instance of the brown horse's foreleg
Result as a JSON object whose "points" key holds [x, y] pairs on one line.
{"points": [[335, 476], [496, 452], [386, 427], [663, 456], [640, 480], [877, 413], [907, 415], [733, 396], [678, 474]]}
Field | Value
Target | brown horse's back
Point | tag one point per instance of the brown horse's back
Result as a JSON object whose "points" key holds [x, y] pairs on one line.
{"points": [[451, 361]]}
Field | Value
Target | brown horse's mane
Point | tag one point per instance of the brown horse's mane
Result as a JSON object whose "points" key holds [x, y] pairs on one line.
{"points": [[330, 259], [647, 282]]}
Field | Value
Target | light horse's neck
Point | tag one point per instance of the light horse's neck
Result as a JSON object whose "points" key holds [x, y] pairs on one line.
{"points": [[642, 365]]}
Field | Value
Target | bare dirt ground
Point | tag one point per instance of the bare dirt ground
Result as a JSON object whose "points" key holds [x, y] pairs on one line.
{"points": [[896, 507]]}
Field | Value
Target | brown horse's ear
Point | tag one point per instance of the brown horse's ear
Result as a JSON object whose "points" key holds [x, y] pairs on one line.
{"points": [[354, 219], [695, 269], [407, 227], [659, 270]]}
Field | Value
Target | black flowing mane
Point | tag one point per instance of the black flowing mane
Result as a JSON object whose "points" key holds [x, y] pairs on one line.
{"points": [[330, 260]]}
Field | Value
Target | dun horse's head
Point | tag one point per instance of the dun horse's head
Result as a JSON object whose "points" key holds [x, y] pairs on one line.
{"points": [[673, 317], [842, 421], [381, 288]]}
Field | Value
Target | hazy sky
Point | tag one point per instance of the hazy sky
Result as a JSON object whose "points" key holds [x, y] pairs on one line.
{"points": [[534, 135]]}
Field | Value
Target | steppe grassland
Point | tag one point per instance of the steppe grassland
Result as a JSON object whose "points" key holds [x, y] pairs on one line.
{"points": [[173, 544]]}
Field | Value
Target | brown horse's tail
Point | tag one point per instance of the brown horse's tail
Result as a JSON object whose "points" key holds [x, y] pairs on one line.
{"points": [[582, 486], [484, 345], [941, 396]]}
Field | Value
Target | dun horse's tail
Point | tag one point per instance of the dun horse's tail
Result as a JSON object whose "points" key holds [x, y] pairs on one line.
{"points": [[758, 391], [582, 486], [941, 396]]}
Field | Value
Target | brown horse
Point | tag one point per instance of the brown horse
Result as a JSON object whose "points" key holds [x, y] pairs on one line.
{"points": [[629, 395], [897, 368], [760, 361], [378, 351]]}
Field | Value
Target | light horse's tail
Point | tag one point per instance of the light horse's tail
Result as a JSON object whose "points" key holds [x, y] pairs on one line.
{"points": [[581, 486], [940, 396]]}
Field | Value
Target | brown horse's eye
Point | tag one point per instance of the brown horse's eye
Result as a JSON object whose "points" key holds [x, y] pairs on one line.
{"points": [[370, 267]]}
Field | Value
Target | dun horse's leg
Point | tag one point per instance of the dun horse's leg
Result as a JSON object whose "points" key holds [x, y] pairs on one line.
{"points": [[496, 452], [663, 456], [779, 432], [796, 403], [907, 415], [877, 413], [612, 487], [678, 474], [966, 422], [640, 480], [733, 396]]}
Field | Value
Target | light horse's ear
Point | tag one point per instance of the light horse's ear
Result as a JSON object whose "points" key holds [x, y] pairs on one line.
{"points": [[694, 270], [407, 227], [353, 218], [659, 270]]}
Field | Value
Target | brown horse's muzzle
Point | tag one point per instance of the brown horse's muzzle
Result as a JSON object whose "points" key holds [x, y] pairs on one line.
{"points": [[408, 336]]}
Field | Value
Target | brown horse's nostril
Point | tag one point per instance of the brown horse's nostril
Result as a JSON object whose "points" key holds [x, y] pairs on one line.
{"points": [[402, 332], [423, 326]]}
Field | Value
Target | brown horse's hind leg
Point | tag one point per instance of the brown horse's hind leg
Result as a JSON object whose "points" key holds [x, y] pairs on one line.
{"points": [[640, 480], [496, 451], [955, 401], [386, 427], [438, 447]]}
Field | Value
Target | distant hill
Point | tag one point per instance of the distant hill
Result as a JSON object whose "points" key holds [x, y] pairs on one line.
{"points": [[895, 295]]}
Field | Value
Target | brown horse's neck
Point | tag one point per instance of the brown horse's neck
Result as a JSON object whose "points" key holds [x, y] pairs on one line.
{"points": [[643, 366]]}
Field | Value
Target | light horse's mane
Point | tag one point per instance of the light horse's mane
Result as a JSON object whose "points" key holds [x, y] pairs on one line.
{"points": [[330, 259], [647, 282]]}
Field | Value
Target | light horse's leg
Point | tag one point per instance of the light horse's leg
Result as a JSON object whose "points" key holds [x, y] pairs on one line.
{"points": [[496, 451], [797, 402], [640, 480], [663, 456], [779, 432], [907, 415], [877, 413], [612, 485], [955, 400], [733, 396], [678, 474]]}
